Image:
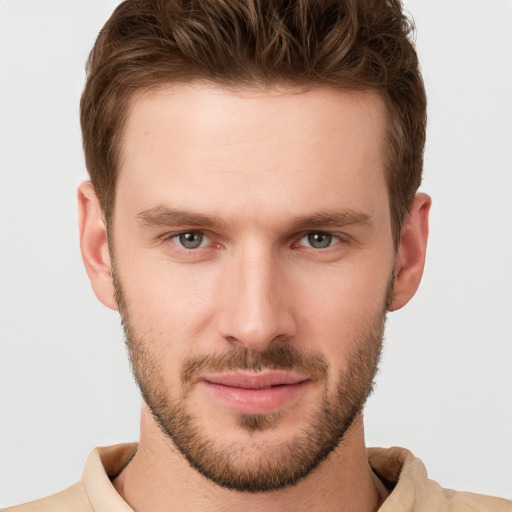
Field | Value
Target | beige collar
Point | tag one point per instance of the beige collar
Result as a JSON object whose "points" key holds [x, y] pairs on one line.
{"points": [[102, 466], [400, 471]]}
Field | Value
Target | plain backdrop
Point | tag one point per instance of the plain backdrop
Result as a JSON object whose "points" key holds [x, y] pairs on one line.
{"points": [[444, 389]]}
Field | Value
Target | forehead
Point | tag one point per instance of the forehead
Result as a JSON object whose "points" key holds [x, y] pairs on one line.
{"points": [[192, 109], [269, 145]]}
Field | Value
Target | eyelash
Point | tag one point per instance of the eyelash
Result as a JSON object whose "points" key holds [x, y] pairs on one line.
{"points": [[175, 236], [337, 238], [331, 236]]}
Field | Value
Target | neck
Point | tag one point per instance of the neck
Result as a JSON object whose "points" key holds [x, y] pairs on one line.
{"points": [[159, 476]]}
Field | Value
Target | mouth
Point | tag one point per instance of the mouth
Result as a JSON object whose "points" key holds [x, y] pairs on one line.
{"points": [[255, 393]]}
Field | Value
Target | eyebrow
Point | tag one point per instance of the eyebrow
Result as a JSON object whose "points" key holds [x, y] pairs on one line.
{"points": [[160, 216], [330, 219], [163, 216]]}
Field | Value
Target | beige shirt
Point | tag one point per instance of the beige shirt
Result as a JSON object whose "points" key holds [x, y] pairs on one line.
{"points": [[398, 468]]}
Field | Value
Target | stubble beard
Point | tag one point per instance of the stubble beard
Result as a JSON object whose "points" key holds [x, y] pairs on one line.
{"points": [[258, 466]]}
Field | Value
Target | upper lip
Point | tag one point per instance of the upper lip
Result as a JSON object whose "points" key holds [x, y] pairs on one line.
{"points": [[251, 380]]}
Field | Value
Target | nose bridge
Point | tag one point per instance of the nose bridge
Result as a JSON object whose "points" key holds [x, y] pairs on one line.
{"points": [[256, 309]]}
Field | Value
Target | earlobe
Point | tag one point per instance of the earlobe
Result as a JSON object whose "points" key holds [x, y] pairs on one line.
{"points": [[410, 258], [94, 245]]}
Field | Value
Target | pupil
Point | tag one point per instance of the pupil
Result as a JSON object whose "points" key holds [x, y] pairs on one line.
{"points": [[319, 240], [191, 240]]}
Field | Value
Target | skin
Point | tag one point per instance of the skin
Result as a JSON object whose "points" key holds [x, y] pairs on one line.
{"points": [[264, 164]]}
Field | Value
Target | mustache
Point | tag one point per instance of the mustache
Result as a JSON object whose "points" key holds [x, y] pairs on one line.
{"points": [[277, 357]]}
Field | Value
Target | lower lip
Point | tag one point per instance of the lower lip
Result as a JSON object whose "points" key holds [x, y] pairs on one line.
{"points": [[255, 401]]}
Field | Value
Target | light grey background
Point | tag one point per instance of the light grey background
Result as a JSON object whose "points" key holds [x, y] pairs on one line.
{"points": [[445, 387]]}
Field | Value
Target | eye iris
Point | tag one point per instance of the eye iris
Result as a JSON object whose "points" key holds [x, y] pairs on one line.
{"points": [[191, 240], [319, 240]]}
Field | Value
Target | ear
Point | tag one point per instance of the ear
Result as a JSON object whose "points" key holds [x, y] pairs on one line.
{"points": [[410, 258], [94, 245]]}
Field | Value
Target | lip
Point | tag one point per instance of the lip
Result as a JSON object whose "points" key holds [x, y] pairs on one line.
{"points": [[255, 393]]}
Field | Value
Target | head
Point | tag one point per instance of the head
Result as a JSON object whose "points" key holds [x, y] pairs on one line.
{"points": [[253, 217]]}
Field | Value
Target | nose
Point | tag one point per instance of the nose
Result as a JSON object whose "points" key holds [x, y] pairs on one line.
{"points": [[255, 303]]}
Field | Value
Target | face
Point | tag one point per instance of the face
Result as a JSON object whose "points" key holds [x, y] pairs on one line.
{"points": [[253, 258]]}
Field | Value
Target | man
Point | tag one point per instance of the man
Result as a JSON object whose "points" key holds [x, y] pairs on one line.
{"points": [[253, 215]]}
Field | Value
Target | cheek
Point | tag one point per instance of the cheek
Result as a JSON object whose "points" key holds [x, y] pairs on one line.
{"points": [[341, 309], [168, 307]]}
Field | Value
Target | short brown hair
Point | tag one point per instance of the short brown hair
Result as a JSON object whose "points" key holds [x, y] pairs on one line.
{"points": [[345, 44]]}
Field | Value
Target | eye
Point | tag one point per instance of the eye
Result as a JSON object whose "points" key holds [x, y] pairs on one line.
{"points": [[319, 240], [190, 239]]}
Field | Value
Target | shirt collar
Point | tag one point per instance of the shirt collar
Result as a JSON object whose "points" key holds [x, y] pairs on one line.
{"points": [[398, 468], [102, 466]]}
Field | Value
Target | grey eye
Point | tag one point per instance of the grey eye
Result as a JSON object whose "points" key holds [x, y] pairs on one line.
{"points": [[319, 240], [191, 240]]}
